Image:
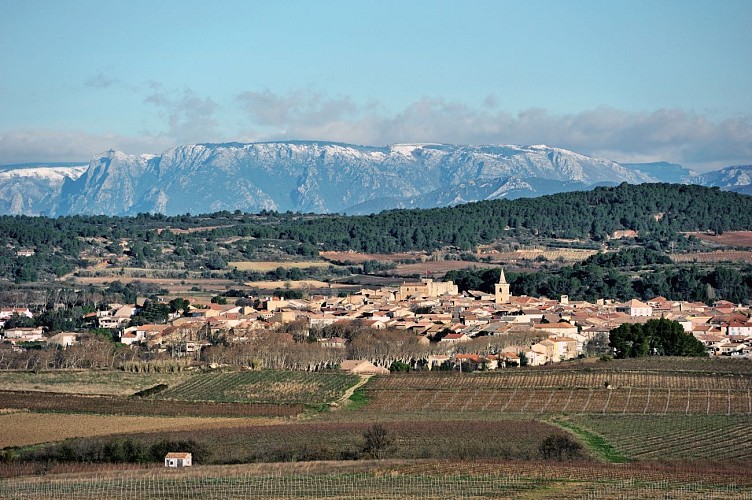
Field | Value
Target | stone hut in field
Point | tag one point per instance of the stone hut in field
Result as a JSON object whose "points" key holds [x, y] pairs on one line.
{"points": [[178, 459]]}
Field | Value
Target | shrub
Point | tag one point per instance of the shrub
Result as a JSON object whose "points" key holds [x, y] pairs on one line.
{"points": [[377, 440], [559, 447]]}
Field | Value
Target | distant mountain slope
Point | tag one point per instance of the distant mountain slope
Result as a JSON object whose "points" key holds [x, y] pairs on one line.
{"points": [[662, 170], [737, 178], [32, 189], [325, 177], [509, 188]]}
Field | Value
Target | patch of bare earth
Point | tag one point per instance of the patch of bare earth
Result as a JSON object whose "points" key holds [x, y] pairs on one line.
{"points": [[437, 268], [730, 238], [265, 266], [302, 284], [359, 258]]}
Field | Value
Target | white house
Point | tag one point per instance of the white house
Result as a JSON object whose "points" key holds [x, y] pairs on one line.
{"points": [[737, 328], [635, 308], [63, 339], [178, 459]]}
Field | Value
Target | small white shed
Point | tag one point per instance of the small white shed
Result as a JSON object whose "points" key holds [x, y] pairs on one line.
{"points": [[178, 459]]}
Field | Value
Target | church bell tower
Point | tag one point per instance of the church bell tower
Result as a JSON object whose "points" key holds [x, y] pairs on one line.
{"points": [[502, 290]]}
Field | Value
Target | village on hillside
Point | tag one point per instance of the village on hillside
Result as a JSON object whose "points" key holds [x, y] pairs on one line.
{"points": [[447, 329]]}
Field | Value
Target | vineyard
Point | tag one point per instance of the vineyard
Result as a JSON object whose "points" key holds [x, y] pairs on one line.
{"points": [[359, 258], [361, 485], [560, 379], [682, 424], [104, 405], [530, 401], [267, 386], [689, 437], [566, 255], [301, 441], [660, 364], [730, 238], [715, 256], [563, 392], [270, 266]]}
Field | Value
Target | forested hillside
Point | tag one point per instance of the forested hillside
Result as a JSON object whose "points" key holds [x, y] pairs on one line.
{"points": [[657, 211]]}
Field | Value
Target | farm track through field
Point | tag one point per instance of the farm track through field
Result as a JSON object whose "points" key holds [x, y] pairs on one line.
{"points": [[351, 390]]}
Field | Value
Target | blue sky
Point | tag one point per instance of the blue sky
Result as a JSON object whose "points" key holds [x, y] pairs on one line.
{"points": [[626, 80]]}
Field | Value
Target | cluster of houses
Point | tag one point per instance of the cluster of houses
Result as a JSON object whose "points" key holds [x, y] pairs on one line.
{"points": [[436, 313]]}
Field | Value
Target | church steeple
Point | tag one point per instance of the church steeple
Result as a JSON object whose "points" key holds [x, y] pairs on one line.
{"points": [[502, 295]]}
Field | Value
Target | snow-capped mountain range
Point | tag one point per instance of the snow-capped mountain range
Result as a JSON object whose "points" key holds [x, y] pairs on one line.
{"points": [[323, 177], [34, 189]]}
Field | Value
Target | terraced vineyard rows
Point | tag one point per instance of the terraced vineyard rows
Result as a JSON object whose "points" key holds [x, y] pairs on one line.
{"points": [[266, 386]]}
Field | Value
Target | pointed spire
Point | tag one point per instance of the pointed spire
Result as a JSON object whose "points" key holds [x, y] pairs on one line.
{"points": [[502, 278]]}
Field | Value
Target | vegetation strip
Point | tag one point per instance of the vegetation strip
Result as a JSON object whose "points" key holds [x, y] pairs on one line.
{"points": [[602, 448], [357, 400]]}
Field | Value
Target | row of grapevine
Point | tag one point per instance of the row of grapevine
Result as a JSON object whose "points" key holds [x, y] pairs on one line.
{"points": [[544, 400], [671, 437], [266, 386], [110, 405], [562, 378], [359, 485]]}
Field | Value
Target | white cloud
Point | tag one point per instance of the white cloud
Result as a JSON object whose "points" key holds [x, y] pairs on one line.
{"points": [[673, 135], [689, 138], [189, 118], [311, 108], [30, 145]]}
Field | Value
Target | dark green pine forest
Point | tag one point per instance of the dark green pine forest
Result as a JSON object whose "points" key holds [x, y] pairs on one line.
{"points": [[659, 212]]}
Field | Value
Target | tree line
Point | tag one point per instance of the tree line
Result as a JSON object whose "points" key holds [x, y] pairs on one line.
{"points": [[629, 273]]}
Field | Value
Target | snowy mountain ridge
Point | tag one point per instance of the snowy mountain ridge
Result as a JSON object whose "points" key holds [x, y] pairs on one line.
{"points": [[321, 177], [313, 176]]}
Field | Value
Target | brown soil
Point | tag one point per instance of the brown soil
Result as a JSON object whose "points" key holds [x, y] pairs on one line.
{"points": [[730, 238]]}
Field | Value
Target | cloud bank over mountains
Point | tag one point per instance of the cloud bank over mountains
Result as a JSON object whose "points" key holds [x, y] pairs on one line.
{"points": [[183, 116]]}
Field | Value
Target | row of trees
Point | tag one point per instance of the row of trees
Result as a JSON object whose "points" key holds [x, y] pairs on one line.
{"points": [[622, 276], [291, 347], [91, 351]]}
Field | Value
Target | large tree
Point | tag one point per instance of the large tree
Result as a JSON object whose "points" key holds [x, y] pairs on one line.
{"points": [[660, 337]]}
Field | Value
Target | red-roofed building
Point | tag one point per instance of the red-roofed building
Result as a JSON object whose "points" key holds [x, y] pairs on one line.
{"points": [[455, 338]]}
